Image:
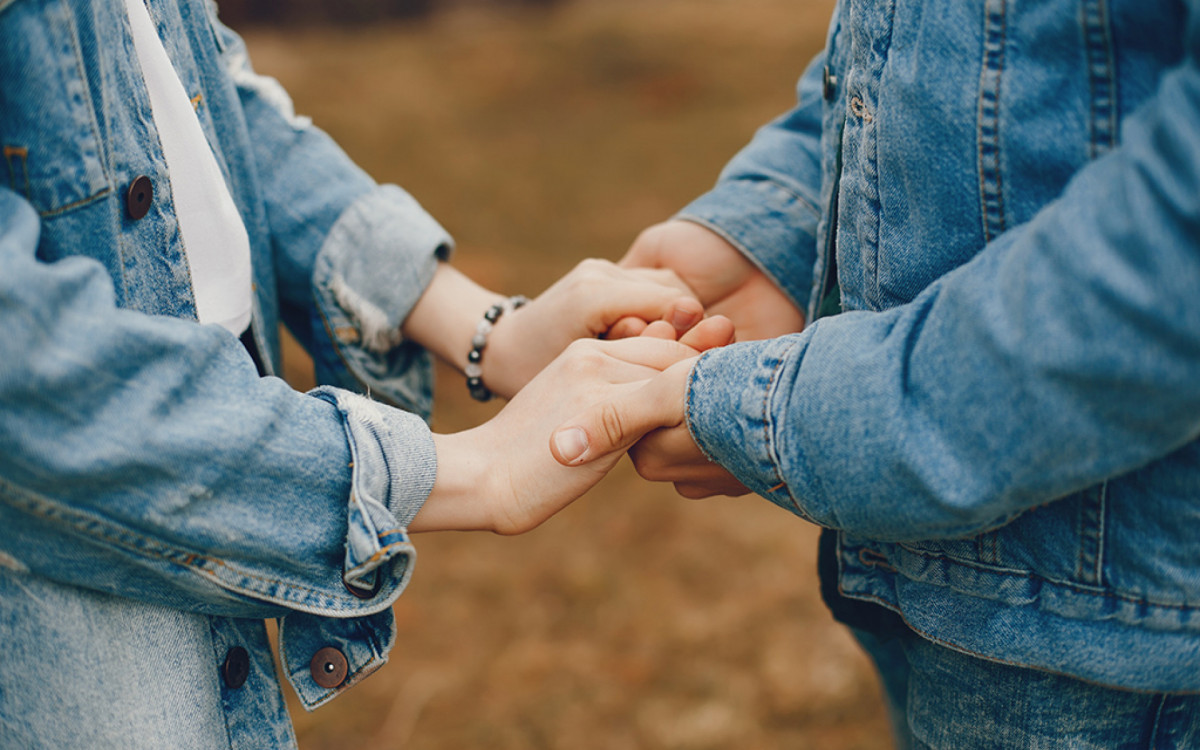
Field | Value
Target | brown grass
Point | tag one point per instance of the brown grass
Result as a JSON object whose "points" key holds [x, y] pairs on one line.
{"points": [[634, 619]]}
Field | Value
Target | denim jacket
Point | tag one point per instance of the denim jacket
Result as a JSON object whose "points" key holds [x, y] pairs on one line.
{"points": [[159, 498], [1002, 422]]}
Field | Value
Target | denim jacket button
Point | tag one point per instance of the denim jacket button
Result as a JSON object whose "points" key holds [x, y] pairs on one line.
{"points": [[139, 197], [236, 668], [362, 593], [828, 84], [329, 667]]}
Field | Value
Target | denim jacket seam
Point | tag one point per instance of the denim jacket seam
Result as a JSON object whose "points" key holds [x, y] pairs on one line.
{"points": [[768, 441], [73, 205], [1074, 587], [226, 716], [772, 448], [102, 154], [137, 543], [325, 610], [991, 187], [1103, 127], [932, 637]]}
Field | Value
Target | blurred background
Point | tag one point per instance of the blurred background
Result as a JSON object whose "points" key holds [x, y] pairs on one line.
{"points": [[541, 132]]}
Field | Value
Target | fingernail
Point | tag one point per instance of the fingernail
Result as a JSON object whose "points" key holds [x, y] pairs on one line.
{"points": [[683, 319], [572, 444]]}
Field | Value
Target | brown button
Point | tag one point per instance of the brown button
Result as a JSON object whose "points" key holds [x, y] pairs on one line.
{"points": [[329, 667], [139, 197], [362, 593], [236, 668]]}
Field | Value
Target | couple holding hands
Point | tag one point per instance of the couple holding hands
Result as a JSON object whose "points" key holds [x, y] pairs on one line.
{"points": [[961, 274]]}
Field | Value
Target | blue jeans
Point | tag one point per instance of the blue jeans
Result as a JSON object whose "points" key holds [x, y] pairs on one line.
{"points": [[939, 698]]}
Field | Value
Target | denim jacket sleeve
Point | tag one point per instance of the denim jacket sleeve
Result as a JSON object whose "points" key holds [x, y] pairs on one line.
{"points": [[143, 456], [765, 200], [351, 257], [1065, 353]]}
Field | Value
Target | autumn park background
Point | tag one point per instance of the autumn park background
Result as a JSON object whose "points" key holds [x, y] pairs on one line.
{"points": [[541, 132]]}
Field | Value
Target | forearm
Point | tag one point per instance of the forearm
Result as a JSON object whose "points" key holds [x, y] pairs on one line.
{"points": [[446, 315]]}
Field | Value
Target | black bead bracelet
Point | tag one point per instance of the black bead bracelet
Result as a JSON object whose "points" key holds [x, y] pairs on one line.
{"points": [[474, 369]]}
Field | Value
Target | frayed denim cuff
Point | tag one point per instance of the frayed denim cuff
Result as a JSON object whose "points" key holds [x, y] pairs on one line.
{"points": [[394, 467]]}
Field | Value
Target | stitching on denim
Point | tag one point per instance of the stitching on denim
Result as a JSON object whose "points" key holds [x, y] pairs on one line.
{"points": [[76, 204], [132, 541], [1029, 575], [772, 453], [1102, 83], [1090, 530], [991, 186], [987, 548], [873, 559], [101, 156]]}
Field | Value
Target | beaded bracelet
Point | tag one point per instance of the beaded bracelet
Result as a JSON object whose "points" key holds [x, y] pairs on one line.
{"points": [[474, 369]]}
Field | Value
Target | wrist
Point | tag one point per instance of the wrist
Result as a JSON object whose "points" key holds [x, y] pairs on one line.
{"points": [[487, 359], [462, 498]]}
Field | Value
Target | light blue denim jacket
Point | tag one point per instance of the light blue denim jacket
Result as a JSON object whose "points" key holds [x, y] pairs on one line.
{"points": [[158, 497], [1003, 423]]}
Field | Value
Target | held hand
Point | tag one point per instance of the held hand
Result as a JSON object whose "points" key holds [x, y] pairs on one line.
{"points": [[723, 279], [667, 451], [501, 475], [583, 304]]}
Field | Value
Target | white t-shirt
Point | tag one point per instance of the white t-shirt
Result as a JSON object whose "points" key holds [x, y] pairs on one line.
{"points": [[214, 237]]}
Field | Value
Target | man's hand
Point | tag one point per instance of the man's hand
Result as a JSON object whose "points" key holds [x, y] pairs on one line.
{"points": [[723, 279]]}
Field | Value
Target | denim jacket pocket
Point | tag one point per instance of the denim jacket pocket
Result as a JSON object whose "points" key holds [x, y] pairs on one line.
{"points": [[49, 137], [1061, 542]]}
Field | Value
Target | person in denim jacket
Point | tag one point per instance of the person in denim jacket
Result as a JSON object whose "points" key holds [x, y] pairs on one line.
{"points": [[1000, 426], [159, 497]]}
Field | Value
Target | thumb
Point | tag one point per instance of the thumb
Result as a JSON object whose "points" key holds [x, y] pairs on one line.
{"points": [[616, 424]]}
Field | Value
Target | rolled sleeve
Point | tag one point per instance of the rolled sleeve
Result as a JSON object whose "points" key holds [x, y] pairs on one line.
{"points": [[729, 416], [374, 265]]}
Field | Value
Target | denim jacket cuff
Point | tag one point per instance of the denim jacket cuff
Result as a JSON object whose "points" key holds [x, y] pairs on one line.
{"points": [[364, 642], [377, 260], [773, 227], [394, 466], [734, 425]]}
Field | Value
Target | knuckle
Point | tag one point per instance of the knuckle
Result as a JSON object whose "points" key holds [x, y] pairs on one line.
{"points": [[611, 424]]}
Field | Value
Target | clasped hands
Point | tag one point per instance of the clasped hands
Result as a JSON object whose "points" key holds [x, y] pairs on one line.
{"points": [[602, 398]]}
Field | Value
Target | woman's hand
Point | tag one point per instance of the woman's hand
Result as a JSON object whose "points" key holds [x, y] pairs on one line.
{"points": [[583, 304]]}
